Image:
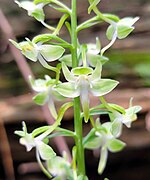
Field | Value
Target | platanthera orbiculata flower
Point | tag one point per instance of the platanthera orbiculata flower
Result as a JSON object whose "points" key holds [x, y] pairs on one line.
{"points": [[81, 82], [39, 52], [102, 138], [46, 93], [126, 118], [29, 141], [33, 10]]}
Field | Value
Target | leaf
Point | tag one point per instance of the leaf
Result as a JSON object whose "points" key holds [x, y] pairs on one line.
{"points": [[115, 145], [45, 151], [40, 98], [68, 90], [103, 160], [103, 86], [51, 52]]}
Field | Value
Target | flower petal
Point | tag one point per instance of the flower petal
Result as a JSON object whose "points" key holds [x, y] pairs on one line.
{"points": [[68, 75], [96, 75]]}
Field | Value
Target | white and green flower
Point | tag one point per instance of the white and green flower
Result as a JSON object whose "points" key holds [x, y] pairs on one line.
{"points": [[127, 118], [41, 52], [122, 28], [102, 138], [81, 82], [29, 141], [46, 93]]}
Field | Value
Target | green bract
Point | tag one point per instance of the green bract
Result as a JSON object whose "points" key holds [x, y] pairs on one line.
{"points": [[33, 10], [81, 84]]}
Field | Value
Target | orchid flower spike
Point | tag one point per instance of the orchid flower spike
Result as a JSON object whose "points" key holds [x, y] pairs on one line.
{"points": [[81, 82]]}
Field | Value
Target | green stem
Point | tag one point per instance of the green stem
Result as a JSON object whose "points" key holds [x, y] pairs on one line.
{"points": [[77, 113]]}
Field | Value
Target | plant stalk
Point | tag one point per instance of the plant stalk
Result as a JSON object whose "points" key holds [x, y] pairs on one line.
{"points": [[77, 113]]}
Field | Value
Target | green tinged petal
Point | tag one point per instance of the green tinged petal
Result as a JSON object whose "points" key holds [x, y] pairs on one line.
{"points": [[68, 90], [103, 86], [51, 52], [96, 75], [68, 75]]}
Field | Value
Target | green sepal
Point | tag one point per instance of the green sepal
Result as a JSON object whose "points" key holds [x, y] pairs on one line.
{"points": [[39, 15], [82, 71], [45, 151], [51, 52], [67, 59], [124, 31], [116, 128], [40, 98], [103, 86], [115, 145], [95, 58], [111, 31]]}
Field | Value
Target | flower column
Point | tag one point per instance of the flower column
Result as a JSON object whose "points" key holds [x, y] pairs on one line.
{"points": [[77, 118]]}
